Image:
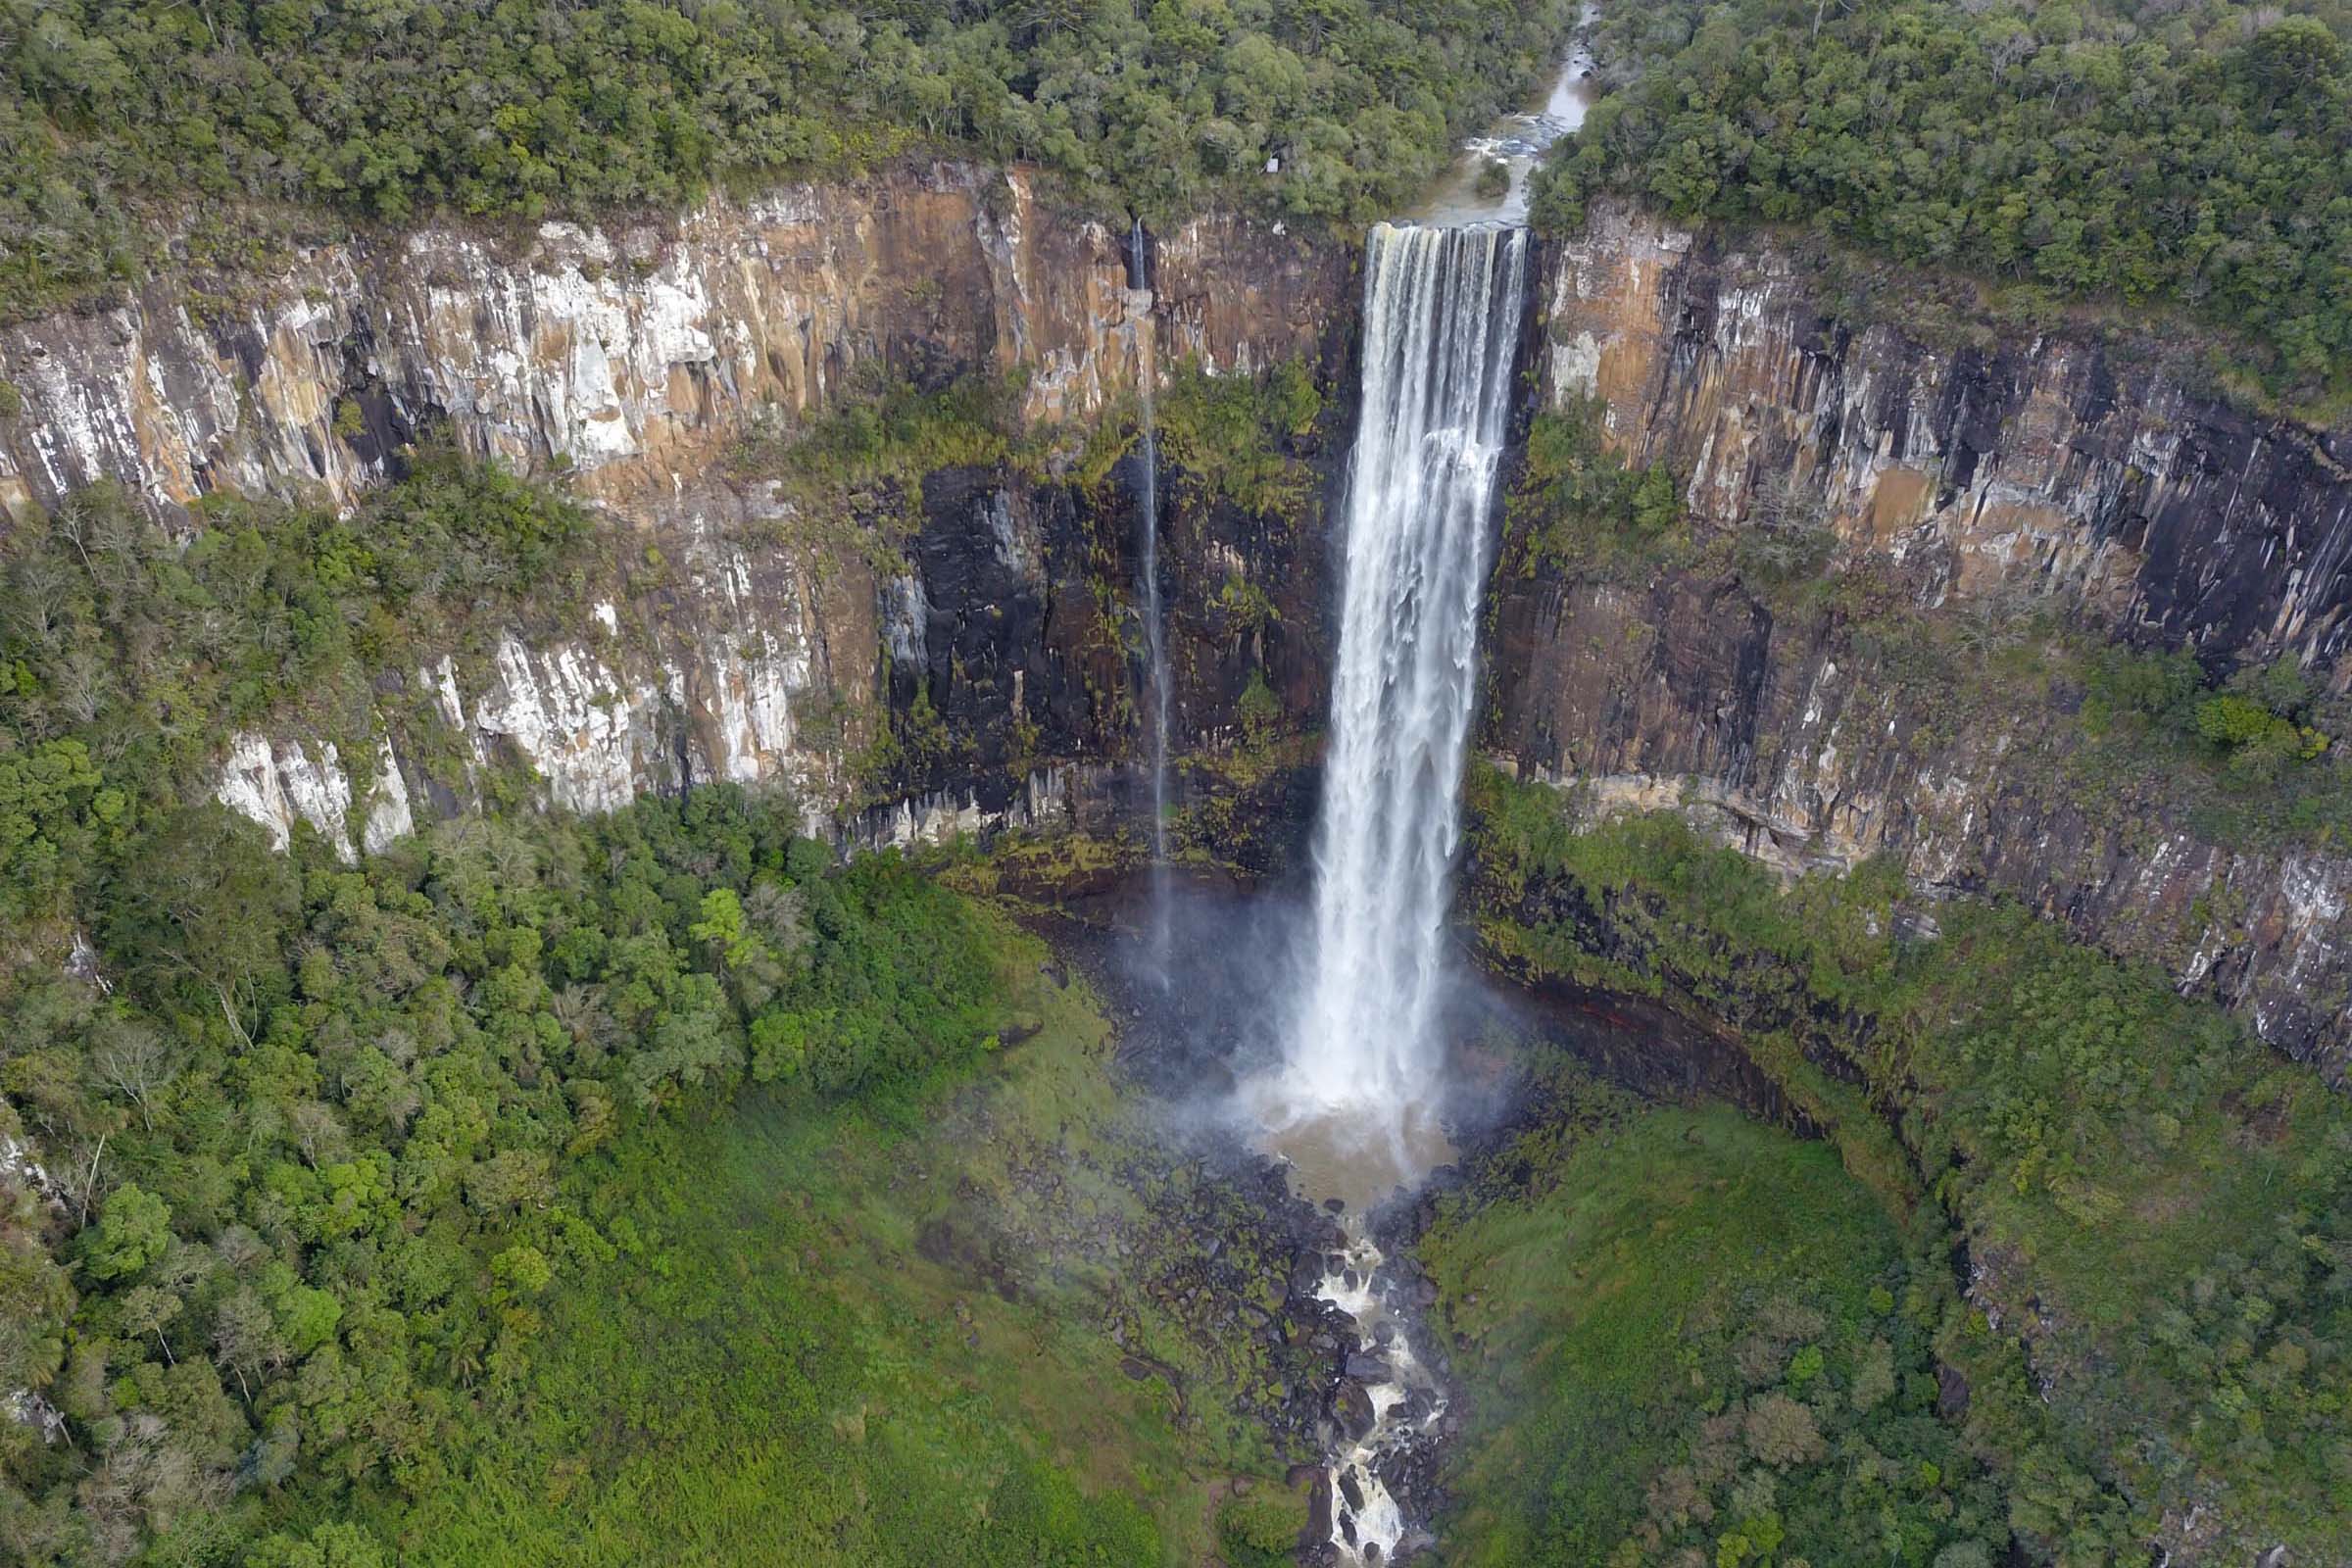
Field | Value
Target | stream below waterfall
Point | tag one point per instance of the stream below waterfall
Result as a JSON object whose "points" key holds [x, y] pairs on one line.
{"points": [[1389, 1403]]}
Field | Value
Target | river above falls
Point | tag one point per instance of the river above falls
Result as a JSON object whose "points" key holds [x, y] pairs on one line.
{"points": [[1517, 142]]}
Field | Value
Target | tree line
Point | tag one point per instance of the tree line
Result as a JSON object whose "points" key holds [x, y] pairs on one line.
{"points": [[394, 110], [2187, 154]]}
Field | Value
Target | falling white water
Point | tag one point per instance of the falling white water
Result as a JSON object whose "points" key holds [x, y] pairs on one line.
{"points": [[1155, 644], [1442, 312]]}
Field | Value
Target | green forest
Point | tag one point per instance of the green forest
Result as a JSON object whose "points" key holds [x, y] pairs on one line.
{"points": [[2183, 155], [313, 1125], [317, 1134], [1745, 1367], [118, 113]]}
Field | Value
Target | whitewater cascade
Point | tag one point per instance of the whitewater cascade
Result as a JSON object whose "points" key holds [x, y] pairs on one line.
{"points": [[1442, 312], [1155, 644]]}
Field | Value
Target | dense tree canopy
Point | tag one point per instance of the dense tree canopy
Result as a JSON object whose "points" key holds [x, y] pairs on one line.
{"points": [[320, 1127], [2196, 152], [391, 109]]}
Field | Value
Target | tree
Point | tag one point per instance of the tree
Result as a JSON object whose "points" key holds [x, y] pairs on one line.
{"points": [[130, 1056], [131, 1232], [1781, 1431], [328, 1545]]}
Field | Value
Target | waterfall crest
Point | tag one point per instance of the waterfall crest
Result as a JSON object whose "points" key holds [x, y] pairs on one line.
{"points": [[1442, 312]]}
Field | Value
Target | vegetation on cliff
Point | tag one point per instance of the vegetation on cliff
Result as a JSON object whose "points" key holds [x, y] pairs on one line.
{"points": [[2136, 152], [2157, 1209], [488, 108], [129, 656]]}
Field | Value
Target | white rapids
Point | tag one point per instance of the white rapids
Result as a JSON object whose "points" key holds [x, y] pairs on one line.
{"points": [[1407, 1401]]}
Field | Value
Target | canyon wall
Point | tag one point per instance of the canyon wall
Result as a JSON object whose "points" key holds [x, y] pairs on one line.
{"points": [[2056, 472], [633, 362], [985, 673]]}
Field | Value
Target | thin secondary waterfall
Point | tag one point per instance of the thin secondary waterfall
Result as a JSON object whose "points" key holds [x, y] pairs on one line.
{"points": [[1442, 312], [1155, 643]]}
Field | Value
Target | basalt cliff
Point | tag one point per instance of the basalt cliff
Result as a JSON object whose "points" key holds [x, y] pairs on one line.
{"points": [[1977, 482], [633, 362], [2091, 480]]}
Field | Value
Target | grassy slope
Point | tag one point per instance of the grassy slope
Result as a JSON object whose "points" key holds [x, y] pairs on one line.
{"points": [[1660, 1274], [777, 1372]]}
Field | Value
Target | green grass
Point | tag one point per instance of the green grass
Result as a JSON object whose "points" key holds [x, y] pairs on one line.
{"points": [[806, 1352], [1638, 1308]]}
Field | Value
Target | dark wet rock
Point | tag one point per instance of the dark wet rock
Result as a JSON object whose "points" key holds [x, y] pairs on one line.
{"points": [[1370, 1368], [1351, 1408], [1951, 1393], [1352, 1490]]}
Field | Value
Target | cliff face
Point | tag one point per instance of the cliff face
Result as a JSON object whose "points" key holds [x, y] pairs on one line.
{"points": [[632, 357], [2042, 463], [2043, 468], [991, 678], [635, 360]]}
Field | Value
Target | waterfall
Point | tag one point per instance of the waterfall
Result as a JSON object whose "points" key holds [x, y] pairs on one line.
{"points": [[1354, 1106], [1442, 312], [1155, 646]]}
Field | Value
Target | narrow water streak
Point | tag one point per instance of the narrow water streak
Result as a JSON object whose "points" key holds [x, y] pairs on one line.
{"points": [[1155, 642]]}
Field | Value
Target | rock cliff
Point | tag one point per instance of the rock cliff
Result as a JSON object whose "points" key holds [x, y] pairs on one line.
{"points": [[2051, 471], [1000, 656], [633, 360]]}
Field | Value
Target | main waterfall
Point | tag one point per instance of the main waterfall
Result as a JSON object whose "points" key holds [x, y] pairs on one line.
{"points": [[1442, 311], [1353, 1105]]}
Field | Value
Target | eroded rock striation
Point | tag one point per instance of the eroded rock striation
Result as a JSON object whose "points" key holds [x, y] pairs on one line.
{"points": [[634, 361], [2050, 469]]}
